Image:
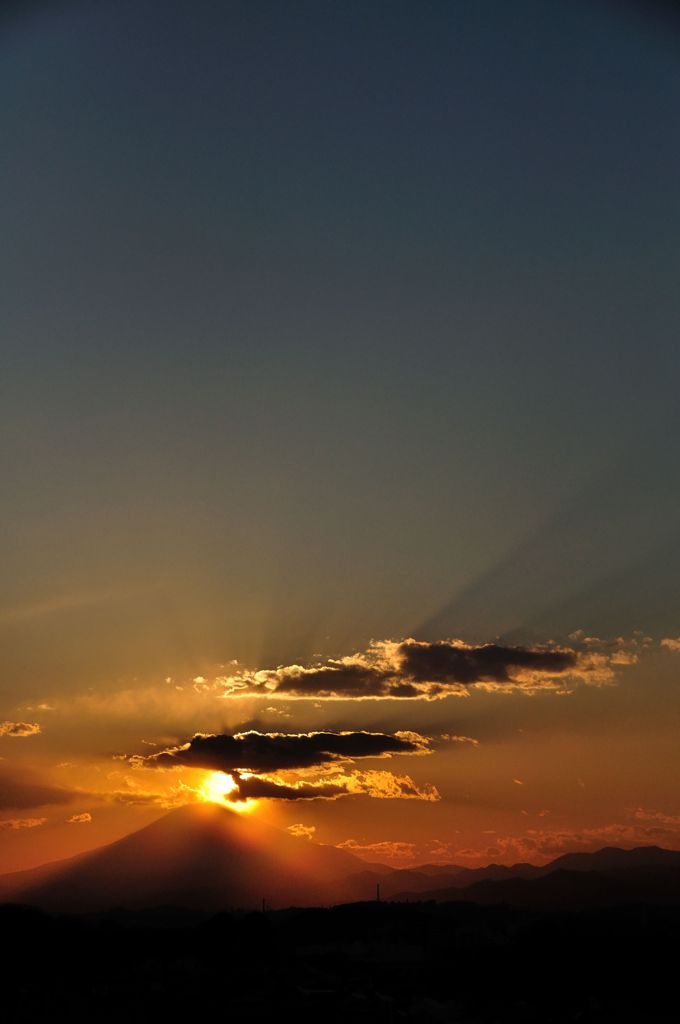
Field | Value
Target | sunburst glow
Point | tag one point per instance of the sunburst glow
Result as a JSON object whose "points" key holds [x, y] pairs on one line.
{"points": [[217, 786]]}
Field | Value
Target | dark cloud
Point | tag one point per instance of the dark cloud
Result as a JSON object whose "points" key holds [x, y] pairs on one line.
{"points": [[379, 785], [18, 794], [410, 669], [448, 663], [261, 788], [268, 752]]}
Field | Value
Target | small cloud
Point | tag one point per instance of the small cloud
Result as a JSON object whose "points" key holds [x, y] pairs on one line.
{"points": [[388, 786], [671, 644], [19, 729], [14, 824], [80, 819], [518, 782], [439, 850], [302, 831], [451, 738], [651, 814], [389, 849]]}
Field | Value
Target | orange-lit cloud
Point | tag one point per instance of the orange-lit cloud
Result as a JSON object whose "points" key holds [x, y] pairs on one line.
{"points": [[387, 850], [252, 760], [540, 845], [302, 831], [80, 819], [13, 824], [387, 786], [375, 784], [19, 729], [452, 738], [653, 815], [411, 669]]}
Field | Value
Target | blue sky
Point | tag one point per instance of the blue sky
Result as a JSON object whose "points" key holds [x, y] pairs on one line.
{"points": [[324, 322]]}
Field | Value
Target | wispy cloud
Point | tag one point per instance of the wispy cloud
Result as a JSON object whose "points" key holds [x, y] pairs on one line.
{"points": [[302, 831], [74, 600], [14, 824], [387, 850]]}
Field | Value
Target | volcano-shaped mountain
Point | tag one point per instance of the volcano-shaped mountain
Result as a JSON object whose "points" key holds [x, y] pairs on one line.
{"points": [[202, 857]]}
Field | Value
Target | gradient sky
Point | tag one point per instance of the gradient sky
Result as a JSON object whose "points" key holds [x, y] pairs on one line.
{"points": [[325, 323]]}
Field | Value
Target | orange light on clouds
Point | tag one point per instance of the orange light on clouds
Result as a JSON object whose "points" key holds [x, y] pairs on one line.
{"points": [[216, 787]]}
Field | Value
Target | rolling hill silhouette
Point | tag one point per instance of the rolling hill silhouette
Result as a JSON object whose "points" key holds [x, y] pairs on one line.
{"points": [[202, 856]]}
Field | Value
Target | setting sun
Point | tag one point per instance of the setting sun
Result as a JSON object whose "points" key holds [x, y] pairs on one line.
{"points": [[215, 789]]}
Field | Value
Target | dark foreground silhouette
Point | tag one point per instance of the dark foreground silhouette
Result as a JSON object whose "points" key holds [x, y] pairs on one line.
{"points": [[366, 962], [589, 937]]}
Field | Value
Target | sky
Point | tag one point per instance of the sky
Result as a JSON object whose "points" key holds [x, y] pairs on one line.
{"points": [[338, 389]]}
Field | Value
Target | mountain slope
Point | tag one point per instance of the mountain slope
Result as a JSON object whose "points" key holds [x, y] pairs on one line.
{"points": [[202, 857]]}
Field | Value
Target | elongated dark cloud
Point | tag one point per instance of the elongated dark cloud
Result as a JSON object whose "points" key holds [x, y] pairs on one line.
{"points": [[266, 752], [258, 788], [449, 663], [409, 669], [379, 785], [253, 759], [18, 794]]}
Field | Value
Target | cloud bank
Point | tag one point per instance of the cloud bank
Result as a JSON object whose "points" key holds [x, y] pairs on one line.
{"points": [[413, 669], [266, 752], [253, 761]]}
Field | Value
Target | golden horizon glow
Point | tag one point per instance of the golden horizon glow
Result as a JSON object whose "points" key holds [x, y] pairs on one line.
{"points": [[216, 787]]}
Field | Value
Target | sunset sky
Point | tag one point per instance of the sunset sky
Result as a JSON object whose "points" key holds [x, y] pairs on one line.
{"points": [[338, 401]]}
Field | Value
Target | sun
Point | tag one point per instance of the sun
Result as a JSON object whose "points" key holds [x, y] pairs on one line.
{"points": [[217, 786]]}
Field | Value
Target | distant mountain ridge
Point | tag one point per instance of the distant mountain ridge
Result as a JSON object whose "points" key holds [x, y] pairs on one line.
{"points": [[209, 858], [610, 876]]}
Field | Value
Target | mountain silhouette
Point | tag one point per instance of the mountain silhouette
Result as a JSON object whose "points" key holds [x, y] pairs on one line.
{"points": [[202, 857], [205, 857], [608, 877]]}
